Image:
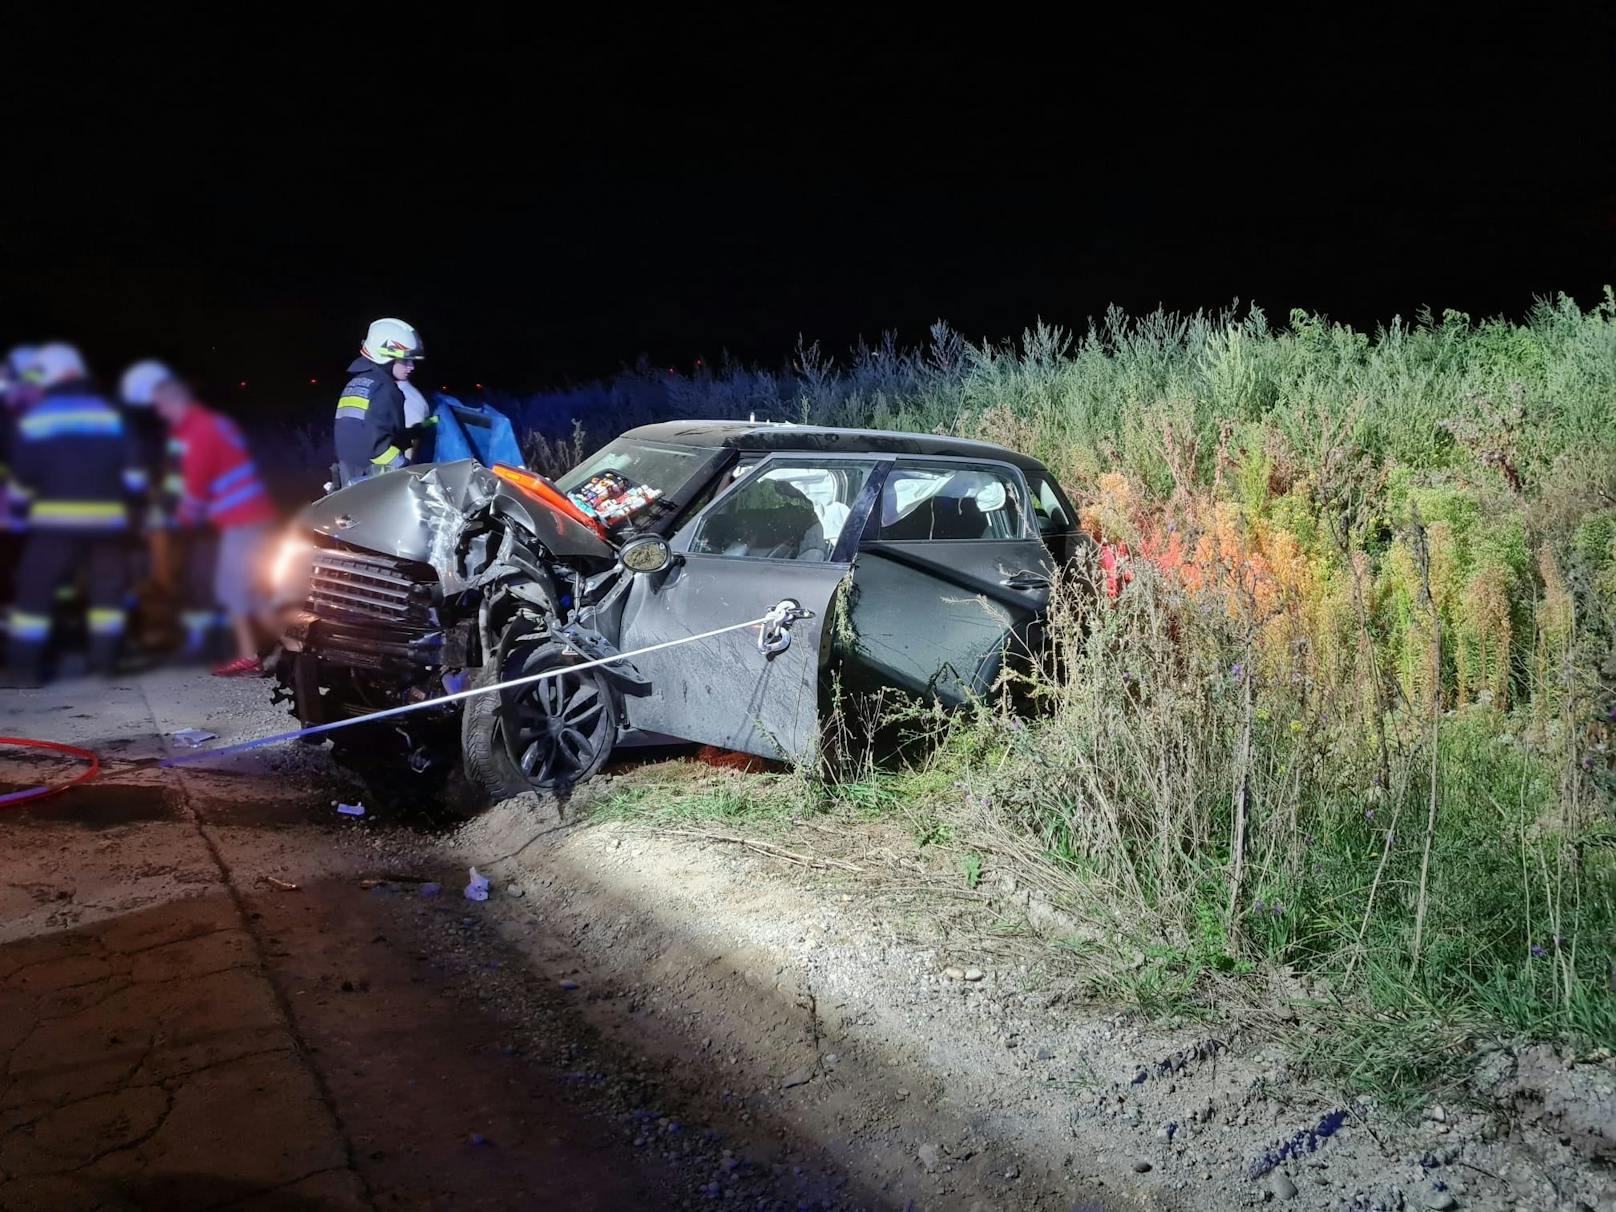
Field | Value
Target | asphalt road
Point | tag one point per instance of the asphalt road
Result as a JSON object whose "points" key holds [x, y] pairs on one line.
{"points": [[183, 1031]]}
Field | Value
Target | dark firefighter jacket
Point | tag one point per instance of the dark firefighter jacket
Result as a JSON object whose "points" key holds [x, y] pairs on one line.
{"points": [[74, 462], [370, 416]]}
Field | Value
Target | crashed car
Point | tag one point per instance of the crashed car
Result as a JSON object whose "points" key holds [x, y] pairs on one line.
{"points": [[908, 562]]}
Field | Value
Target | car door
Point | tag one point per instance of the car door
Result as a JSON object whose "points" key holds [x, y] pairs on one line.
{"points": [[788, 529], [1056, 520], [951, 578]]}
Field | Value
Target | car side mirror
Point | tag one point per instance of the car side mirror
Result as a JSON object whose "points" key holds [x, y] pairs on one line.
{"points": [[647, 553]]}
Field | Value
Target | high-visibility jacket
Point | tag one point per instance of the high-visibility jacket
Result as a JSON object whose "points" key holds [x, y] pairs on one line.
{"points": [[13, 507], [369, 427], [222, 487], [73, 462]]}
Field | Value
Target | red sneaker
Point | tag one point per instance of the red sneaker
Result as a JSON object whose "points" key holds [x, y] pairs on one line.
{"points": [[241, 667]]}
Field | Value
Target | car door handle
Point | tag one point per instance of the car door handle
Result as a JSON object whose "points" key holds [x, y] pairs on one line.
{"points": [[1025, 581]]}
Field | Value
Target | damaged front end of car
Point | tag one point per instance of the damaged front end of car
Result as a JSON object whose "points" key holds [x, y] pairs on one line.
{"points": [[421, 583]]}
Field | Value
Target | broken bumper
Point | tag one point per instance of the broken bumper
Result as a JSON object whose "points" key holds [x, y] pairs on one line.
{"points": [[407, 656]]}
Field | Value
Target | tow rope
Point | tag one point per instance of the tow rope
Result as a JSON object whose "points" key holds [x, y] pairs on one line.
{"points": [[774, 637], [38, 793]]}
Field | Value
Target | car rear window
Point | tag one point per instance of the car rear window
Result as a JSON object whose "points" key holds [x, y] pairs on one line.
{"points": [[951, 501]]}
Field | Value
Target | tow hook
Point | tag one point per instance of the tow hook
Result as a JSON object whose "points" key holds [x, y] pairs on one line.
{"points": [[774, 637]]}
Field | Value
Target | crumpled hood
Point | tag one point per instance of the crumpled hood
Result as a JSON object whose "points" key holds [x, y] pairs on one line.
{"points": [[420, 513]]}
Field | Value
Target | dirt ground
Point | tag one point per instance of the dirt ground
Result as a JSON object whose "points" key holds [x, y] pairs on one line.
{"points": [[219, 992]]}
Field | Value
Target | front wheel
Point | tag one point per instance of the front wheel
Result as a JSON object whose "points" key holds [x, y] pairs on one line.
{"points": [[547, 735]]}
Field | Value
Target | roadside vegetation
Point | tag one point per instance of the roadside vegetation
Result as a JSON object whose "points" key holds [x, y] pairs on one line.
{"points": [[1348, 722]]}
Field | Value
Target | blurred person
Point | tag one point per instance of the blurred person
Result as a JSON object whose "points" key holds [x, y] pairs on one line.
{"points": [[371, 433], [148, 435], [73, 462], [150, 556], [186, 555], [15, 396], [223, 493]]}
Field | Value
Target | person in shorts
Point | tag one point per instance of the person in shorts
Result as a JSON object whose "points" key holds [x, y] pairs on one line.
{"points": [[222, 493]]}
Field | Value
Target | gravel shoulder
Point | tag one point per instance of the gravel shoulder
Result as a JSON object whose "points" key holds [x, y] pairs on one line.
{"points": [[811, 1004]]}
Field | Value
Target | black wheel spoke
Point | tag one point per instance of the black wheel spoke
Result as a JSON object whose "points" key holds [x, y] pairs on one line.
{"points": [[529, 757], [576, 745], [581, 713], [582, 697], [553, 728]]}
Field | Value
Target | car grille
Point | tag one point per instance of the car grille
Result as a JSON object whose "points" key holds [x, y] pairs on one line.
{"points": [[370, 587]]}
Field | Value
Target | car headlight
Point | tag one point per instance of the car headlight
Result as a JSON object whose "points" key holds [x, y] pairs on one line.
{"points": [[290, 564]]}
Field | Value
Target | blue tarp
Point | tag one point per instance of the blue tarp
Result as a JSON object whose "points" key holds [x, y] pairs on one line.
{"points": [[466, 432]]}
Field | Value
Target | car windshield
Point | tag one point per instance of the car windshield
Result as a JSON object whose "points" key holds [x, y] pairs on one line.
{"points": [[632, 478]]}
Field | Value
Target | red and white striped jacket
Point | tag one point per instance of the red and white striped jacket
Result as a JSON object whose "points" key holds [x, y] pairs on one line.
{"points": [[221, 485]]}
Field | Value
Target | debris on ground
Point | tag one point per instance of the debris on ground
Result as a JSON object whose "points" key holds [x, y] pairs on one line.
{"points": [[351, 809], [192, 737], [1306, 1140], [477, 889], [282, 885]]}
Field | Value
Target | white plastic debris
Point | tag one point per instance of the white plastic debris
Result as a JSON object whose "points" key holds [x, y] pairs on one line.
{"points": [[192, 737], [351, 809], [477, 890]]}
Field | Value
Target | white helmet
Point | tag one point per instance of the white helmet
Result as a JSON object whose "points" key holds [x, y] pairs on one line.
{"points": [[18, 357], [391, 340], [55, 363], [141, 380], [11, 366]]}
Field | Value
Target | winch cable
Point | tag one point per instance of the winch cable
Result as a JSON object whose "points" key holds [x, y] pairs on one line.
{"points": [[775, 622], [28, 794]]}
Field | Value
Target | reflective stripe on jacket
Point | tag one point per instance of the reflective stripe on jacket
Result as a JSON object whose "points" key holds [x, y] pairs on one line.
{"points": [[369, 426], [73, 459], [222, 487]]}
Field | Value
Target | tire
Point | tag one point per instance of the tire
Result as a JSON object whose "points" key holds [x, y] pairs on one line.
{"points": [[555, 756]]}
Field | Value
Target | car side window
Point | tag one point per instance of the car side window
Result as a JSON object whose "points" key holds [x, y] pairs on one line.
{"points": [[1049, 506], [792, 510], [951, 501]]}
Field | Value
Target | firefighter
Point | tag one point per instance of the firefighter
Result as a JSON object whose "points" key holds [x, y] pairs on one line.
{"points": [[148, 436], [223, 493], [73, 461], [150, 556], [371, 433], [15, 396]]}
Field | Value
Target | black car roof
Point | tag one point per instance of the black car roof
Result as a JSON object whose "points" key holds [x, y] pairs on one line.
{"points": [[750, 435]]}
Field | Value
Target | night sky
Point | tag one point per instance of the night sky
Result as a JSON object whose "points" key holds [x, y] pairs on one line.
{"points": [[550, 205]]}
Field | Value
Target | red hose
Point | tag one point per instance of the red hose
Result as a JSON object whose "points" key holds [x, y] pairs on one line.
{"points": [[39, 793]]}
